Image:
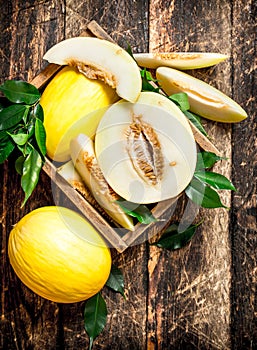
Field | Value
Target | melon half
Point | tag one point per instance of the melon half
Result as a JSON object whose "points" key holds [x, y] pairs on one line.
{"points": [[102, 60], [146, 150]]}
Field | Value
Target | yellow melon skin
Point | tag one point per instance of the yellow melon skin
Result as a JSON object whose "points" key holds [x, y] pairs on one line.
{"points": [[72, 104], [59, 255]]}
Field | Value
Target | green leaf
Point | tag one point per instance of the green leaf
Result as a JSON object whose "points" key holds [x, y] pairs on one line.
{"points": [[19, 139], [11, 116], [26, 115], [40, 135], [18, 91], [31, 127], [146, 77], [181, 99], [95, 315], [143, 215], [25, 149], [6, 149], [174, 239], [215, 180], [130, 51], [19, 112], [140, 212], [37, 112], [19, 164], [203, 195], [116, 280], [30, 173], [4, 135], [196, 121], [206, 160]]}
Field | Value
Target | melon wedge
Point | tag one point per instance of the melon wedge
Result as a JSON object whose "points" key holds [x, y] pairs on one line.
{"points": [[146, 150], [70, 174], [100, 59], [84, 160], [204, 99], [179, 60]]}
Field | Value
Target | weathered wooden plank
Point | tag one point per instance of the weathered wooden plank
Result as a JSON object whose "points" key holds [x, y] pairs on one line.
{"points": [[125, 21], [244, 214], [189, 290], [125, 329], [188, 305], [27, 321]]}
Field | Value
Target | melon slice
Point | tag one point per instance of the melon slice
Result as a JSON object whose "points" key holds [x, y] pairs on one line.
{"points": [[84, 160], [70, 174], [146, 150], [100, 59], [204, 99], [179, 60]]}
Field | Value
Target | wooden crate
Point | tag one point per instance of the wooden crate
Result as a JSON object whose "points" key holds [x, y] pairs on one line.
{"points": [[162, 210]]}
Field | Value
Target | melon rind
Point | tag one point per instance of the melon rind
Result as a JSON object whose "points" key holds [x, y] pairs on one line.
{"points": [[204, 99], [59, 255]]}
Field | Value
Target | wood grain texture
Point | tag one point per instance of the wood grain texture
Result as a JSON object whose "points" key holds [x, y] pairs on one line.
{"points": [[27, 321], [202, 296], [244, 213], [192, 309], [126, 21]]}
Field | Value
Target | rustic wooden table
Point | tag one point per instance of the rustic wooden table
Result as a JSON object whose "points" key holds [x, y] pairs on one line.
{"points": [[202, 296]]}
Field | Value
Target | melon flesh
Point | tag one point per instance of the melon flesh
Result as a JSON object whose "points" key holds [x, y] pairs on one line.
{"points": [[179, 60], [100, 59], [204, 99], [150, 165], [84, 160], [161, 101]]}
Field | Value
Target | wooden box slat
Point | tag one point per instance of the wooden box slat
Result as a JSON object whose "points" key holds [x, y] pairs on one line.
{"points": [[88, 211], [162, 211]]}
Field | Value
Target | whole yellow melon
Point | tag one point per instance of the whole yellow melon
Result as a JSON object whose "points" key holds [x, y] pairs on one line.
{"points": [[72, 104], [59, 255]]}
